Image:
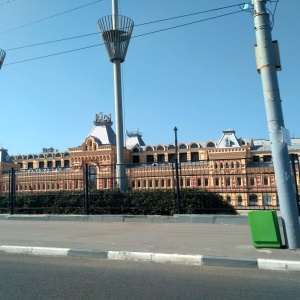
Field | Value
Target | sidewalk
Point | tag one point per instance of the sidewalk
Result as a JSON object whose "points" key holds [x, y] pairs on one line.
{"points": [[164, 241]]}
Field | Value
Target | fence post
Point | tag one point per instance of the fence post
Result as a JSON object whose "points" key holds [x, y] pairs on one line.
{"points": [[86, 189], [11, 190], [293, 157]]}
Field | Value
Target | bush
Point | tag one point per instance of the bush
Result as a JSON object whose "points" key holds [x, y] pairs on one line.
{"points": [[113, 201]]}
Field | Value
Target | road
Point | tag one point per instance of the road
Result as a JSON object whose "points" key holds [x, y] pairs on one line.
{"points": [[40, 277]]}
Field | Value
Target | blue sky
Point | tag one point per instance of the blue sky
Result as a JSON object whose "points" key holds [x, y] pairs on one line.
{"points": [[200, 78]]}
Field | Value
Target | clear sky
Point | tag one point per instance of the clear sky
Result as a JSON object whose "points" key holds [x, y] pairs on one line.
{"points": [[201, 77]]}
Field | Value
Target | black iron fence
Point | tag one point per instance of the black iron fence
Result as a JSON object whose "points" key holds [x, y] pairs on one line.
{"points": [[242, 183]]}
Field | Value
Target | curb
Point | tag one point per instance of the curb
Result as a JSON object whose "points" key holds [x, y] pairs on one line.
{"points": [[201, 260]]}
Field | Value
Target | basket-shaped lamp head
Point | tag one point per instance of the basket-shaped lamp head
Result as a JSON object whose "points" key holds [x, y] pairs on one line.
{"points": [[2, 56], [116, 33]]}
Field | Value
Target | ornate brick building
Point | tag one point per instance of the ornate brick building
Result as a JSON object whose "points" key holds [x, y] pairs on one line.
{"points": [[240, 169]]}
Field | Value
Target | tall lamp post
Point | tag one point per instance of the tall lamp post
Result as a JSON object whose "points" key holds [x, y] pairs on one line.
{"points": [[116, 33], [279, 136], [2, 57], [176, 170]]}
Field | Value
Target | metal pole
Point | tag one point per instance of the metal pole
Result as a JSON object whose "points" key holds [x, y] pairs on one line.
{"points": [[86, 189], [284, 179], [12, 190], [120, 168], [177, 175]]}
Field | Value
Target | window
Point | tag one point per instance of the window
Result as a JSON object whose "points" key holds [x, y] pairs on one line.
{"points": [[183, 146], [160, 148], [188, 182], [41, 165], [66, 163], [136, 150], [150, 159], [171, 157], [206, 181], [226, 165], [194, 145], [138, 183], [150, 183], [194, 156], [169, 182], [210, 145], [162, 183], [267, 199], [221, 165], [267, 158], [199, 181], [171, 147], [227, 181], [255, 159], [217, 181], [49, 164], [240, 200], [156, 183], [253, 199], [149, 149], [183, 157], [133, 184], [228, 199], [239, 181], [266, 180], [252, 181], [58, 164], [135, 159], [232, 165], [237, 165], [161, 158], [30, 165]]}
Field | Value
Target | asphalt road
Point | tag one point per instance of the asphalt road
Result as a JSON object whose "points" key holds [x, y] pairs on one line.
{"points": [[40, 277]]}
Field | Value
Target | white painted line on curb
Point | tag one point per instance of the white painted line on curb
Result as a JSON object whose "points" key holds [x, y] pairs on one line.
{"points": [[35, 250], [126, 255], [272, 264], [177, 258]]}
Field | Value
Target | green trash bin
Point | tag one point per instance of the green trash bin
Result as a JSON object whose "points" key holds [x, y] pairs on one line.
{"points": [[264, 229]]}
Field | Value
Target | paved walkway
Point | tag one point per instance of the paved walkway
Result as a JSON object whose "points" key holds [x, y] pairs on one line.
{"points": [[223, 242]]}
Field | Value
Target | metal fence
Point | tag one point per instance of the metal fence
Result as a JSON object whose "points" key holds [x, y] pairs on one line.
{"points": [[242, 183]]}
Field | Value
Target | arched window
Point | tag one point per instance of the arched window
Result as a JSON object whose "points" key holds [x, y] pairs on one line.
{"points": [[30, 156], [20, 157], [210, 145], [171, 147], [50, 155], [182, 146], [160, 148], [41, 156], [228, 199], [149, 149], [58, 154], [135, 150], [194, 145], [66, 154]]}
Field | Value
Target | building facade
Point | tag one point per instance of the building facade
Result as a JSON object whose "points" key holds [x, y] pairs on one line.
{"points": [[239, 169]]}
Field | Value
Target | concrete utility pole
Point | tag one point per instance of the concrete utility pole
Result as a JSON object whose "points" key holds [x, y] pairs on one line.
{"points": [[279, 136], [116, 33], [2, 57]]}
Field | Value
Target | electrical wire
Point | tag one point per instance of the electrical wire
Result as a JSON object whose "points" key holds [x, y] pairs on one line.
{"points": [[136, 25], [140, 35], [6, 2], [50, 17]]}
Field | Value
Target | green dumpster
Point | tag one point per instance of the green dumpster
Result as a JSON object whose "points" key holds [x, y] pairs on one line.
{"points": [[264, 229]]}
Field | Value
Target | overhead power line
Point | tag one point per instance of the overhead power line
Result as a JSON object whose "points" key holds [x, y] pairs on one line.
{"points": [[140, 35], [6, 2], [47, 18], [136, 25]]}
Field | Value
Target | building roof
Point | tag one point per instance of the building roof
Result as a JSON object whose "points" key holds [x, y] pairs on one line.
{"points": [[102, 132], [134, 140], [4, 157]]}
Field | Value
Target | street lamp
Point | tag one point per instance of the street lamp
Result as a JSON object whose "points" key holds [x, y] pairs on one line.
{"points": [[116, 33], [2, 57], [176, 170]]}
